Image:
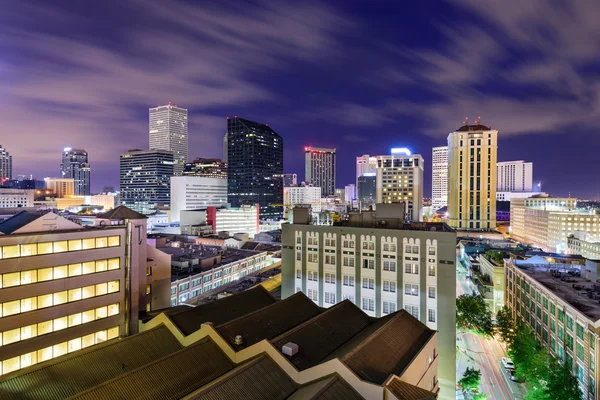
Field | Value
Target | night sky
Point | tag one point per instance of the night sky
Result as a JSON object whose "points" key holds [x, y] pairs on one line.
{"points": [[358, 76]]}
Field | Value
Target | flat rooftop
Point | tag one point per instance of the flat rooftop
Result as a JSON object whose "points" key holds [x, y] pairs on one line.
{"points": [[577, 298], [410, 226]]}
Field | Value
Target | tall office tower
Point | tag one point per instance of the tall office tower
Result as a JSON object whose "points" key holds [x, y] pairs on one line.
{"points": [[206, 168], [472, 177], [439, 177], [290, 180], [75, 165], [255, 167], [514, 176], [381, 264], [5, 164], [367, 189], [400, 180], [169, 131], [365, 166], [145, 179], [319, 168]]}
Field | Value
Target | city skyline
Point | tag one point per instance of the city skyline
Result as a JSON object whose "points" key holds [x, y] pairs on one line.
{"points": [[411, 93]]}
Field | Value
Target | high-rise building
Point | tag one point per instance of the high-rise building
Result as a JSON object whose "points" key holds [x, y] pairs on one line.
{"points": [[255, 167], [472, 177], [5, 164], [66, 287], [514, 176], [61, 187], [206, 168], [290, 180], [381, 270], [367, 189], [145, 177], [169, 131], [400, 180], [365, 165], [319, 168], [304, 194], [439, 177], [349, 193], [196, 192], [14, 198], [75, 164]]}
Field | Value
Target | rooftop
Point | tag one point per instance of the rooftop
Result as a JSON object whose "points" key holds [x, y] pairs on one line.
{"points": [[409, 226], [18, 221], [121, 212], [476, 127]]}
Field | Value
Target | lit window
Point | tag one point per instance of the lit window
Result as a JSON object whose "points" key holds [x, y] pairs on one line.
{"points": [[74, 294], [28, 277], [114, 241], [88, 316], [75, 245], [101, 242], [74, 269], [10, 252], [87, 292], [87, 340], [60, 297], [88, 244], [14, 335], [114, 263], [28, 304], [44, 327], [29, 331], [101, 312], [113, 286], [60, 272], [44, 354], [113, 332], [12, 279], [60, 323], [74, 319], [113, 309], [11, 307], [44, 274], [101, 336], [28, 359], [59, 349], [28, 250], [148, 289], [89, 267], [60, 246], [10, 365], [74, 345], [101, 265], [45, 248]]}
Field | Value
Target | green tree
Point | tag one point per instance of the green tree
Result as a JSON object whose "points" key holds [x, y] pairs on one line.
{"points": [[496, 255], [470, 380], [473, 314], [561, 384], [480, 396], [505, 324], [523, 350]]}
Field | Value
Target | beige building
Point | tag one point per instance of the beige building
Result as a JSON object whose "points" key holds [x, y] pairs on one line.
{"points": [[399, 179], [494, 284], [584, 244], [565, 319], [63, 287], [62, 187], [472, 177]]}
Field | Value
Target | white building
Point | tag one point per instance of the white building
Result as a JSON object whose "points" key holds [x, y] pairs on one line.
{"points": [[234, 220], [514, 176], [508, 196], [302, 195], [439, 177], [195, 192], [169, 131], [584, 244], [349, 193], [13, 198], [365, 166], [320, 169], [400, 180]]}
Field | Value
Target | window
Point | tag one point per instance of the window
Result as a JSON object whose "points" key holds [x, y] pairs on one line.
{"points": [[408, 248], [592, 341], [348, 280], [580, 373], [329, 298], [369, 264], [431, 251], [368, 245], [415, 249], [348, 297], [569, 341], [298, 274], [368, 304], [411, 290], [389, 307], [149, 288], [431, 315], [313, 276], [389, 286], [330, 259], [368, 283], [313, 294], [579, 351], [580, 332], [431, 292], [389, 266], [329, 277], [569, 323], [411, 268], [299, 240], [298, 256], [313, 257], [431, 270], [561, 333], [412, 310], [349, 262]]}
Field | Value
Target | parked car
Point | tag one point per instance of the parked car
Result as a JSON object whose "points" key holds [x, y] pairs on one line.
{"points": [[513, 377], [508, 363]]}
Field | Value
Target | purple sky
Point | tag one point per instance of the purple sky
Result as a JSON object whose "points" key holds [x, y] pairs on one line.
{"points": [[359, 76]]}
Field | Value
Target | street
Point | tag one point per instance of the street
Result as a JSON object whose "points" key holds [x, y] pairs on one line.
{"points": [[484, 355]]}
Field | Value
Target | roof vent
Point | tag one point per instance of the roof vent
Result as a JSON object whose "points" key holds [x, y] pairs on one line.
{"points": [[290, 349], [238, 340]]}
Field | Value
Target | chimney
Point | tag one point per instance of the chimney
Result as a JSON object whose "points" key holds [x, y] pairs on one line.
{"points": [[238, 340], [290, 349]]}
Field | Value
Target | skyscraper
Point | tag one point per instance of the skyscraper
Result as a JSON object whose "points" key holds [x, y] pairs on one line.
{"points": [[290, 180], [75, 165], [319, 167], [439, 177], [145, 179], [206, 168], [472, 177], [5, 164], [399, 179], [169, 131], [255, 166], [514, 176]]}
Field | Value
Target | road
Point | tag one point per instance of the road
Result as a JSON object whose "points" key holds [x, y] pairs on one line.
{"points": [[483, 354]]}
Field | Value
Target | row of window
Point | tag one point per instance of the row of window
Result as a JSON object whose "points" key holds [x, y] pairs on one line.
{"points": [[60, 272], [55, 299], [60, 246], [367, 245], [57, 324], [48, 353]]}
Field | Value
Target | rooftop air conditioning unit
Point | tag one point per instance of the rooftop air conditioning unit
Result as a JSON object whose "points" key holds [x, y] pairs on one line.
{"points": [[290, 349]]}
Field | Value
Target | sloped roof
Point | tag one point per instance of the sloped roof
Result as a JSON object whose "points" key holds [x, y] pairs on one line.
{"points": [[535, 260], [223, 310], [18, 221], [269, 322], [121, 212], [390, 349], [331, 388], [171, 377], [323, 334], [406, 391], [258, 379], [71, 374], [476, 127]]}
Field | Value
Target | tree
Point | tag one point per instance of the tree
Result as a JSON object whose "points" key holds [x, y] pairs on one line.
{"points": [[470, 380], [505, 325], [561, 384], [523, 350], [496, 255], [480, 396], [473, 314]]}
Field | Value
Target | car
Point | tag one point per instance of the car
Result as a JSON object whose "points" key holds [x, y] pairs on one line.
{"points": [[513, 377], [508, 363]]}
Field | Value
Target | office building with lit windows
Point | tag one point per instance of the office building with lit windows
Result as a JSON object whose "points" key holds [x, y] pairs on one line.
{"points": [[196, 192], [75, 165], [439, 177], [63, 287], [319, 169], [472, 177], [254, 166], [381, 264], [5, 165], [61, 187], [514, 176], [169, 131], [206, 168], [399, 179], [564, 317]]}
